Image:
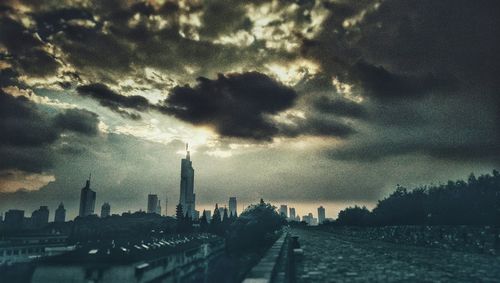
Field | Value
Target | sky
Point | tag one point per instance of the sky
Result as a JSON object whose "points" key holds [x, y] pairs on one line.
{"points": [[302, 102]]}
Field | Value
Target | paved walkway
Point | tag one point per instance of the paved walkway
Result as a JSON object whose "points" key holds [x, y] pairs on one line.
{"points": [[329, 258]]}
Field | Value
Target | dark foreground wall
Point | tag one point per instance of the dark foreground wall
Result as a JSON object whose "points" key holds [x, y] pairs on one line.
{"points": [[481, 239]]}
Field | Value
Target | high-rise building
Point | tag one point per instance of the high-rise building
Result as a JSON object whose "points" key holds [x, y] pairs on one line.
{"points": [[60, 215], [14, 218], [292, 214], [221, 212], [233, 209], [284, 210], [105, 210], [208, 215], [40, 217], [321, 215], [87, 200], [152, 203], [187, 197]]}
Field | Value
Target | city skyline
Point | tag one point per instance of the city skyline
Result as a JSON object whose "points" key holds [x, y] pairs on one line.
{"points": [[305, 102]]}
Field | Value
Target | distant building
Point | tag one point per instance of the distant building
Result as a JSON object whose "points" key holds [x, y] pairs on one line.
{"points": [[284, 210], [292, 214], [87, 200], [14, 219], [25, 248], [158, 208], [60, 215], [152, 203], [208, 215], [321, 215], [310, 220], [221, 212], [105, 210], [233, 206], [187, 196], [40, 217]]}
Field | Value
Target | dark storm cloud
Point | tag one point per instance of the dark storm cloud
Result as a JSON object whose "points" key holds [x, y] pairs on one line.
{"points": [[381, 84], [429, 70], [25, 50], [113, 100], [8, 77], [27, 134], [22, 124], [340, 107], [235, 105], [233, 13], [404, 49], [78, 120]]}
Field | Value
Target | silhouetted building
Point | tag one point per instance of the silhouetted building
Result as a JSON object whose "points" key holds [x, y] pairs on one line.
{"points": [[40, 217], [14, 219], [321, 215], [60, 215], [309, 219], [233, 209], [152, 203], [87, 200], [221, 212], [208, 215], [105, 210], [284, 210], [25, 248], [187, 196], [292, 214]]}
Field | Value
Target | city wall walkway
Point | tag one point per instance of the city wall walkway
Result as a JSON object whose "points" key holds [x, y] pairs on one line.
{"points": [[329, 258]]}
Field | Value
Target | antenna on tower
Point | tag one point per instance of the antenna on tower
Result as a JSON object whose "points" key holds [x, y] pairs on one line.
{"points": [[187, 152]]}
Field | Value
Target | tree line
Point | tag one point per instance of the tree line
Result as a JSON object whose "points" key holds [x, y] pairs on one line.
{"points": [[255, 228], [472, 202]]}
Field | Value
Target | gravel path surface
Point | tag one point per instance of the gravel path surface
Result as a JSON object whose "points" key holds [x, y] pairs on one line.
{"points": [[330, 258]]}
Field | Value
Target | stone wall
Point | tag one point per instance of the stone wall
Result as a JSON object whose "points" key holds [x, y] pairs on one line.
{"points": [[480, 239]]}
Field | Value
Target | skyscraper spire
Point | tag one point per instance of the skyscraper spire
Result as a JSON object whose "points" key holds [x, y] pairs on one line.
{"points": [[188, 157]]}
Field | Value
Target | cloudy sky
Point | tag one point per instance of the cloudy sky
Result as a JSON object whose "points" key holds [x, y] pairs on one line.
{"points": [[300, 101]]}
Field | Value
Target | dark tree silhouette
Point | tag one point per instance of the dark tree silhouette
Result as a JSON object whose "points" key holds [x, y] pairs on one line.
{"points": [[256, 227], [203, 223], [475, 202]]}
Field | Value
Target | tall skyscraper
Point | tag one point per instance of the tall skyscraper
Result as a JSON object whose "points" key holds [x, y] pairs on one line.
{"points": [[292, 214], [284, 210], [233, 209], [60, 215], [105, 210], [40, 217], [321, 215], [187, 196], [87, 200], [152, 203]]}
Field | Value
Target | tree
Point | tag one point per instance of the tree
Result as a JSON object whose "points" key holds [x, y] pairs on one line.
{"points": [[203, 223], [255, 228], [215, 224]]}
